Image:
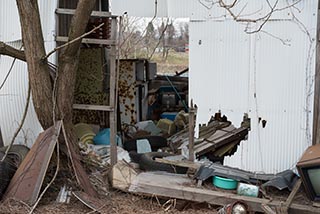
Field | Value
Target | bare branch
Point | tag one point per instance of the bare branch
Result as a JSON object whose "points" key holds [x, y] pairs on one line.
{"points": [[11, 51], [72, 41]]}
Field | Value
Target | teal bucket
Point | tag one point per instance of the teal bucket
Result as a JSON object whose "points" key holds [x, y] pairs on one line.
{"points": [[103, 138], [224, 183]]}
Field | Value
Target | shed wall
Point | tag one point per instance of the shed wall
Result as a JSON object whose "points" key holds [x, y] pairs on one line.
{"points": [[268, 75], [13, 95]]}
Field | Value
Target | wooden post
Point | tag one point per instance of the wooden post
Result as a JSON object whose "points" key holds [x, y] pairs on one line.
{"points": [[191, 131], [113, 104], [316, 106]]}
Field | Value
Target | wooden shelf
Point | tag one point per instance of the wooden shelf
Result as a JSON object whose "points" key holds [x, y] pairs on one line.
{"points": [[93, 107], [88, 41], [94, 13]]}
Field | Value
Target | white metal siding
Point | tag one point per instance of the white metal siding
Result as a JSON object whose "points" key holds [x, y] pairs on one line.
{"points": [[10, 23], [14, 93], [268, 75], [13, 98]]}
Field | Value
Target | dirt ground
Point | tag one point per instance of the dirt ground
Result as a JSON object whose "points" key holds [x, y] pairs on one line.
{"points": [[116, 202]]}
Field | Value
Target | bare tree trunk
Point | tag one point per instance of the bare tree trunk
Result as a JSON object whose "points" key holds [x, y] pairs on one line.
{"points": [[38, 69], [69, 60]]}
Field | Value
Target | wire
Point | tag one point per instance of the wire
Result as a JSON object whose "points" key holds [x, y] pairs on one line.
{"points": [[175, 90]]}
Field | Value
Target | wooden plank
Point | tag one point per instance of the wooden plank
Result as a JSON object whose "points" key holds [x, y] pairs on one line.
{"points": [[94, 13], [88, 41], [113, 114], [292, 194], [316, 102], [92, 107], [93, 203], [191, 131], [187, 164], [181, 187], [28, 179], [267, 209]]}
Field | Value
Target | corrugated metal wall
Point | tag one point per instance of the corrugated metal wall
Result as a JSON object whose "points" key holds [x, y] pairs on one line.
{"points": [[13, 95], [268, 75]]}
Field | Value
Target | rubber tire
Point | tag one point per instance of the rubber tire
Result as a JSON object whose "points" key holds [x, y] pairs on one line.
{"points": [[16, 154], [135, 157], [6, 173], [147, 162], [156, 142]]}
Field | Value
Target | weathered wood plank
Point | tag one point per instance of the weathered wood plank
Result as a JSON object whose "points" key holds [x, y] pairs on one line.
{"points": [[94, 13], [88, 41], [92, 107], [187, 164], [181, 187]]}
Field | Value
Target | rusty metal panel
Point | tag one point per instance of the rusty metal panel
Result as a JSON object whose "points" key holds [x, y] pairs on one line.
{"points": [[127, 92], [27, 181]]}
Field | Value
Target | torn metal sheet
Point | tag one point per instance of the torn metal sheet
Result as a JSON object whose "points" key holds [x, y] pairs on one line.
{"points": [[91, 202], [27, 181], [285, 179]]}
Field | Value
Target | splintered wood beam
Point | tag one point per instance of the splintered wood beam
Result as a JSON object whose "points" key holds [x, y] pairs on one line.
{"points": [[11, 51]]}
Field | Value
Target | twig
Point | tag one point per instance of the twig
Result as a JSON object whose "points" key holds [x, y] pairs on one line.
{"points": [[21, 123], [49, 184], [7, 75], [72, 41]]}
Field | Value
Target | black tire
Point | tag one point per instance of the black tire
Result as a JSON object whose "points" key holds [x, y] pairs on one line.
{"points": [[148, 163], [6, 174], [156, 142], [135, 157], [16, 154]]}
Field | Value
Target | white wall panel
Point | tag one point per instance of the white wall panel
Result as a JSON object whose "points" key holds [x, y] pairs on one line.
{"points": [[13, 97], [269, 75]]}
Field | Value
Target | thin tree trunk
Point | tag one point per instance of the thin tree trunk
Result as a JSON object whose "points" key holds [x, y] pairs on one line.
{"points": [[69, 60], [38, 69]]}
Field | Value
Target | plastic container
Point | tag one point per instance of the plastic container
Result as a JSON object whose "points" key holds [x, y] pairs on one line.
{"points": [[166, 126], [224, 183], [103, 138], [84, 132], [248, 190], [169, 115]]}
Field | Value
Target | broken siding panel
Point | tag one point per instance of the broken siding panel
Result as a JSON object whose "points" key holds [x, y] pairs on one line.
{"points": [[274, 70]]}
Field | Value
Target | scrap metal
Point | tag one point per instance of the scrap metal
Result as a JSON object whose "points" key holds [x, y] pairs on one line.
{"points": [[27, 181]]}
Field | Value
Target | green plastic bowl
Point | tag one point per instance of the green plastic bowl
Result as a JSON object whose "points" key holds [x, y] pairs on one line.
{"points": [[224, 183]]}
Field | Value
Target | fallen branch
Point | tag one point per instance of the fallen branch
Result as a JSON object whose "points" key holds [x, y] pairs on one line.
{"points": [[72, 41], [11, 51]]}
